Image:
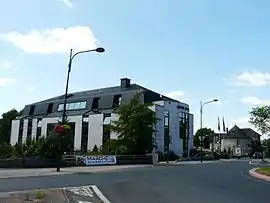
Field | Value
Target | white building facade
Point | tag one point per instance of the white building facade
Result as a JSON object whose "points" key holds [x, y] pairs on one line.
{"points": [[173, 131]]}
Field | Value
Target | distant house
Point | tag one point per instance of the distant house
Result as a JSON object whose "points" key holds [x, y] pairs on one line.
{"points": [[245, 138]]}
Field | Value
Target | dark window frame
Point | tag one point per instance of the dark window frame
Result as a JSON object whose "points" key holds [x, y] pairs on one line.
{"points": [[117, 100], [95, 103], [20, 136], [85, 131], [50, 108], [32, 109]]}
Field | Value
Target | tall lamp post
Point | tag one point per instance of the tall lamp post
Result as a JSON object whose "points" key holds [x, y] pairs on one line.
{"points": [[201, 118], [71, 57]]}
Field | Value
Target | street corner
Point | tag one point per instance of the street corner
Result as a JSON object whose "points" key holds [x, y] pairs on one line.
{"points": [[257, 175], [77, 194]]}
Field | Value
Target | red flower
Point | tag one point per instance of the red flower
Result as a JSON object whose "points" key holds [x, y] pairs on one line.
{"points": [[59, 129]]}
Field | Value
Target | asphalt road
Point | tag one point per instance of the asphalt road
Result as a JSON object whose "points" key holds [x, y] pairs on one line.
{"points": [[207, 183]]}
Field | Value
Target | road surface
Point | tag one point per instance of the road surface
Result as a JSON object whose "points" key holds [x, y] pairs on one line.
{"points": [[206, 183]]}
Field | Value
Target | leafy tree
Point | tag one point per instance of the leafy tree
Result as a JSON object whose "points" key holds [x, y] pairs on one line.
{"points": [[260, 118], [135, 126], [206, 134], [266, 146], [5, 125]]}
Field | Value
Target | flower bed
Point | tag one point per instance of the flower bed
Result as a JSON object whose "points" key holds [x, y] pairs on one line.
{"points": [[263, 171]]}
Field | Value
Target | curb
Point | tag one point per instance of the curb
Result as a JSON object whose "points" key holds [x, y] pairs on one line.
{"points": [[254, 174], [185, 163]]}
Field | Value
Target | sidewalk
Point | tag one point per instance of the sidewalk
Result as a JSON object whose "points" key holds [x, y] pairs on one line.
{"points": [[15, 173], [186, 162], [87, 194], [199, 162]]}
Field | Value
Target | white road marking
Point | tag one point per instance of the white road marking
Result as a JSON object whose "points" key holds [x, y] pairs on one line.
{"points": [[84, 191], [100, 194]]}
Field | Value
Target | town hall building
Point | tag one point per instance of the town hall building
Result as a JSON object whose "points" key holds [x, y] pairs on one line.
{"points": [[89, 112]]}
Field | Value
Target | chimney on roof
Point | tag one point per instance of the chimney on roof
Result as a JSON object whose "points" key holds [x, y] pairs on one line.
{"points": [[125, 82]]}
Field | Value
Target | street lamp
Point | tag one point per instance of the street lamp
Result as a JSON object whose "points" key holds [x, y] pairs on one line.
{"points": [[71, 57], [201, 115]]}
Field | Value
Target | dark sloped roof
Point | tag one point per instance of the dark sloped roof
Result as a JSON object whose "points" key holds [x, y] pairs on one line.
{"points": [[245, 133], [93, 93], [106, 100]]}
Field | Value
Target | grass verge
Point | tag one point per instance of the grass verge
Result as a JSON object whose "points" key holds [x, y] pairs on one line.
{"points": [[263, 171]]}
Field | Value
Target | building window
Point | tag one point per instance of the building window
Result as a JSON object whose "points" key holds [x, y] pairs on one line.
{"points": [[49, 129], [167, 139], [166, 118], [180, 107], [85, 128], [29, 129], [31, 111], [38, 128], [116, 101], [237, 142], [60, 107], [95, 103], [20, 132], [106, 127], [50, 107], [72, 106], [166, 121]]}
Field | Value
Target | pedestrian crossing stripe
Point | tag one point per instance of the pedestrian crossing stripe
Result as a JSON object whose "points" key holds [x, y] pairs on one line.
{"points": [[84, 191]]}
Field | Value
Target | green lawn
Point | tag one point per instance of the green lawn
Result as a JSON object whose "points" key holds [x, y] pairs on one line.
{"points": [[264, 171]]}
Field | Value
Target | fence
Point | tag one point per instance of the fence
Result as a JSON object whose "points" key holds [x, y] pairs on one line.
{"points": [[72, 160]]}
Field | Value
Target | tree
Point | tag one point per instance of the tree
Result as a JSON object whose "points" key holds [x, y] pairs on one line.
{"points": [[260, 118], [206, 134], [5, 125], [135, 126]]}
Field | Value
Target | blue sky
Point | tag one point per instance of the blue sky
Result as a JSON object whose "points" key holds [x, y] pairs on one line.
{"points": [[189, 50]]}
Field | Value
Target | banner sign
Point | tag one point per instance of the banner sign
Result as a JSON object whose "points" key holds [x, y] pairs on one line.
{"points": [[95, 160]]}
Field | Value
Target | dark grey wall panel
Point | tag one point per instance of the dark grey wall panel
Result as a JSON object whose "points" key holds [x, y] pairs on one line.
{"points": [[127, 96], [41, 109], [106, 101], [26, 110]]}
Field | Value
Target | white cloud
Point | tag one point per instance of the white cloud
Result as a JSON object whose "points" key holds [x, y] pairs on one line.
{"points": [[178, 95], [243, 122], [56, 40], [5, 65], [31, 88], [253, 78], [67, 3], [7, 81], [255, 101]]}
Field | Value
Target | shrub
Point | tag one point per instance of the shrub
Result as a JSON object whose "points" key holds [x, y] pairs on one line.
{"points": [[224, 155], [6, 150]]}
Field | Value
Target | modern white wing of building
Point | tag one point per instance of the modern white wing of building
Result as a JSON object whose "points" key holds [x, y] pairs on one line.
{"points": [[90, 113]]}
